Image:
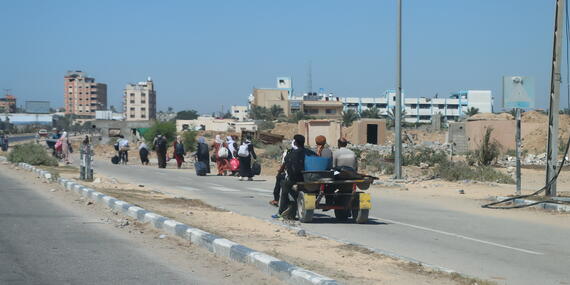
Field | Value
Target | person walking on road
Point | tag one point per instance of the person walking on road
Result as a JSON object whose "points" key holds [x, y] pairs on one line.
{"points": [[280, 176], [143, 153], [161, 147], [65, 149], [179, 151], [222, 153], [4, 142], [232, 147], [123, 149], [245, 153], [203, 153]]}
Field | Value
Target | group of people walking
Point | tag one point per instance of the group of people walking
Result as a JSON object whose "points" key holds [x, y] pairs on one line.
{"points": [[230, 157]]}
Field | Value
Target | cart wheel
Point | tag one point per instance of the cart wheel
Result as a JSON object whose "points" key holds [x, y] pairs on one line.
{"points": [[341, 215], [305, 215], [360, 216]]}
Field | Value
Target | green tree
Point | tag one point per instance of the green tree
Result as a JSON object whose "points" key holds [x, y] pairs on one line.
{"points": [[167, 129], [472, 111], [348, 117], [298, 116], [227, 115], [275, 111], [189, 140], [259, 113], [187, 115], [371, 113]]}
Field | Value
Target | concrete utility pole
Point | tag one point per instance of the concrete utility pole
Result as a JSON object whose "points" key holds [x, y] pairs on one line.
{"points": [[554, 107], [398, 111]]}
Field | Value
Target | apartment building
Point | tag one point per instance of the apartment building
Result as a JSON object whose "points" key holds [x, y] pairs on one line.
{"points": [[421, 109], [241, 113], [8, 104], [139, 101], [83, 95]]}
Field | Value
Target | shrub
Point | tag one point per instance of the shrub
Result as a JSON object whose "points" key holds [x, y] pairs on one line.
{"points": [[454, 171], [273, 152], [266, 125], [167, 129], [31, 153], [488, 150], [189, 140], [425, 155], [376, 162]]}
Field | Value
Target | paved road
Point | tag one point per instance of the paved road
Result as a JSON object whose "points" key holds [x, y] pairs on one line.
{"points": [[43, 243], [506, 250], [13, 139]]}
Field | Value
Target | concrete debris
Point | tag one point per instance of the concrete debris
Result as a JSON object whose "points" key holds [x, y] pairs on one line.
{"points": [[53, 190], [302, 233], [121, 223], [162, 236], [424, 165], [97, 180]]}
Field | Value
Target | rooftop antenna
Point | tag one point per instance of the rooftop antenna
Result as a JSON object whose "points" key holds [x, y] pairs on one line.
{"points": [[310, 77]]}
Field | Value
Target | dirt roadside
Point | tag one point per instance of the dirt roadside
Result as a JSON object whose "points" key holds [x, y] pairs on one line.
{"points": [[178, 253], [348, 264]]}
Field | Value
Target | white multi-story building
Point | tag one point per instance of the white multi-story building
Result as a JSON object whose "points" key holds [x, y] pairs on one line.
{"points": [[139, 101], [421, 110], [241, 113]]}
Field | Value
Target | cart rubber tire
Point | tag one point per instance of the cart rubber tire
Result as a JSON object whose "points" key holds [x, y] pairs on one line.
{"points": [[305, 216], [360, 216], [341, 215]]}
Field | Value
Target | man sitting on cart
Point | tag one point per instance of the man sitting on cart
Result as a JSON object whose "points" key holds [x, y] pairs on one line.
{"points": [[294, 166], [343, 156]]}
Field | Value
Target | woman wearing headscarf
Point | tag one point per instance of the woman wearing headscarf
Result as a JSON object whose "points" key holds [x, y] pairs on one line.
{"points": [[323, 149], [245, 153], [143, 153], [178, 151], [203, 153], [65, 148], [222, 162]]}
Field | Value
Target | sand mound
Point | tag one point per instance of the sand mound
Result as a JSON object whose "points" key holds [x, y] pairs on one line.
{"points": [[491, 117]]}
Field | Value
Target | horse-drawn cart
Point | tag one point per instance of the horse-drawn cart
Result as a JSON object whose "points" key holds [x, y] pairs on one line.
{"points": [[342, 196]]}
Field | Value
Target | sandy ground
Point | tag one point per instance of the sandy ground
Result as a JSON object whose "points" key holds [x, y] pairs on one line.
{"points": [[349, 264]]}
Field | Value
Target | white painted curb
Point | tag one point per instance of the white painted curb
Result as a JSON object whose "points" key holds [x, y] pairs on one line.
{"points": [[215, 244]]}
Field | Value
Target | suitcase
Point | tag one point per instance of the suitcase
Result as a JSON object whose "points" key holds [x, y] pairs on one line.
{"points": [[115, 159], [201, 168], [256, 168]]}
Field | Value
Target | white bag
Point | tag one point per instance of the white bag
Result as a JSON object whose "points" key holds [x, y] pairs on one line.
{"points": [[243, 150], [223, 152]]}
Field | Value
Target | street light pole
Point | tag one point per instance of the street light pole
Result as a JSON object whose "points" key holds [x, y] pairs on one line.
{"points": [[398, 111]]}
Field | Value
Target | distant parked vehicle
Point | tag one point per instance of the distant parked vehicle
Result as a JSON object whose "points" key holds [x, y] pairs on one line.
{"points": [[43, 133]]}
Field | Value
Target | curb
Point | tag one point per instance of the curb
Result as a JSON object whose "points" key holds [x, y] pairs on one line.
{"points": [[219, 246], [543, 206]]}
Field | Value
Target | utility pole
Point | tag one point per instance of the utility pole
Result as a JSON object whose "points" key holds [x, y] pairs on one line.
{"points": [[398, 111], [554, 107]]}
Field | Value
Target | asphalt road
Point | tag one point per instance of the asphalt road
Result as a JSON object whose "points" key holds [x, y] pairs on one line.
{"points": [[505, 250], [43, 242], [12, 139]]}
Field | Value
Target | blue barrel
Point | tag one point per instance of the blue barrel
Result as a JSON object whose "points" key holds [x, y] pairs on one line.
{"points": [[317, 163]]}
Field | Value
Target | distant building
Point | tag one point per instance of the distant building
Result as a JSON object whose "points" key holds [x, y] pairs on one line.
{"points": [[241, 113], [139, 101], [82, 95], [108, 115], [8, 104], [267, 97], [37, 107], [23, 119], [421, 110]]}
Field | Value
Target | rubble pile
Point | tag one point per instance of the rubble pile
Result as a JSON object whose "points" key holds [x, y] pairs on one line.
{"points": [[529, 159]]}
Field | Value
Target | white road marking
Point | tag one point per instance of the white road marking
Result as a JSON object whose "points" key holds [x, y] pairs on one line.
{"points": [[261, 190], [188, 188], [460, 236], [224, 189]]}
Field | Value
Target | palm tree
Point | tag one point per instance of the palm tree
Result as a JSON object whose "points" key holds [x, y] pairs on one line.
{"points": [[371, 113], [348, 117], [275, 111], [472, 111]]}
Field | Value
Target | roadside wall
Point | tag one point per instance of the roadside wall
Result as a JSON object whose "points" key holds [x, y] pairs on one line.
{"points": [[313, 128]]}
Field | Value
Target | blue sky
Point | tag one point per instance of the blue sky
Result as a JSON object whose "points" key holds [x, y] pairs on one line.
{"points": [[202, 54]]}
